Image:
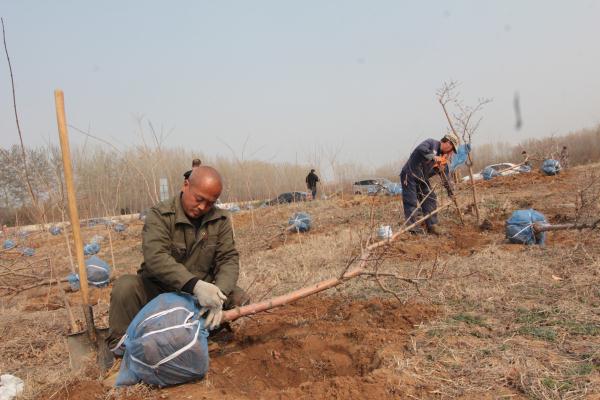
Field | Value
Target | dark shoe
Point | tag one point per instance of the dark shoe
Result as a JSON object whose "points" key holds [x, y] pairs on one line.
{"points": [[415, 230], [434, 230]]}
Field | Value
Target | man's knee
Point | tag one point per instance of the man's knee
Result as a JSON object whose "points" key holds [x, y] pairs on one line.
{"points": [[125, 287], [409, 200]]}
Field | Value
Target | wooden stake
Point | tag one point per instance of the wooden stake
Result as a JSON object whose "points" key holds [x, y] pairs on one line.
{"points": [[73, 213]]}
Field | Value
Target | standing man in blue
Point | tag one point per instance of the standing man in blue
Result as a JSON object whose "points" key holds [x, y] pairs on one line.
{"points": [[427, 160]]}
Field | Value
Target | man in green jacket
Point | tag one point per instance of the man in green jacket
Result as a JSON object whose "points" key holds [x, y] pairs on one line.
{"points": [[188, 246]]}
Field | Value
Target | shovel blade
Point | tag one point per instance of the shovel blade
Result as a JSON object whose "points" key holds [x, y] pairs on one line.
{"points": [[82, 350]]}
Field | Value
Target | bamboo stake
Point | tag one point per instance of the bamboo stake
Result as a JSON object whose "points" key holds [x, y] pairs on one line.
{"points": [[73, 213]]}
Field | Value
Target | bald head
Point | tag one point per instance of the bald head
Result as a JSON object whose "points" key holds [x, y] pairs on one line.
{"points": [[200, 191], [207, 177]]}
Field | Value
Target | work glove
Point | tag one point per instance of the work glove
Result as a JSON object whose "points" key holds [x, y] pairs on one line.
{"points": [[211, 300], [213, 318], [450, 192]]}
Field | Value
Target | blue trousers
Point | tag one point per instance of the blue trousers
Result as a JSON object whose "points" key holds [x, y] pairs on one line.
{"points": [[414, 189]]}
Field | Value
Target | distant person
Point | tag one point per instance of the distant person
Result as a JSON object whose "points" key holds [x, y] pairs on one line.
{"points": [[564, 158], [526, 161], [196, 162], [311, 183], [427, 159]]}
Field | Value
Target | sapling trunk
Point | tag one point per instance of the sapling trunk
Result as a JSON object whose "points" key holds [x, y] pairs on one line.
{"points": [[250, 309]]}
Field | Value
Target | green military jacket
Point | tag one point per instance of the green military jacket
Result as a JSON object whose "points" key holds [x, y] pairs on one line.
{"points": [[173, 254]]}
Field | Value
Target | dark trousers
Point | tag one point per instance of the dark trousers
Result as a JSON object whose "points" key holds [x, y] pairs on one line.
{"points": [[414, 189], [314, 192], [131, 292]]}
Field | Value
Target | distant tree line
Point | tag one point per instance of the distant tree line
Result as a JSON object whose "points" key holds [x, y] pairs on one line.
{"points": [[110, 181], [583, 147]]}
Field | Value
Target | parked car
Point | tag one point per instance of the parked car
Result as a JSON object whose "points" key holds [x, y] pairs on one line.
{"points": [[375, 186], [502, 169], [288, 197]]}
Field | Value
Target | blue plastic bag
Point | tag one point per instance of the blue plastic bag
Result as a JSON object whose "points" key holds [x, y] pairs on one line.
{"points": [[27, 251], [301, 221], [9, 244], [165, 344], [91, 248], [489, 173], [519, 227], [55, 230], [460, 157], [394, 189], [120, 228], [551, 167], [98, 273]]}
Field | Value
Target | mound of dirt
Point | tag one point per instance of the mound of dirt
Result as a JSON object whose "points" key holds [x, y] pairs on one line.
{"points": [[320, 347]]}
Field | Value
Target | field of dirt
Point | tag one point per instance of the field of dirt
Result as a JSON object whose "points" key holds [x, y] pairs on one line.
{"points": [[475, 316]]}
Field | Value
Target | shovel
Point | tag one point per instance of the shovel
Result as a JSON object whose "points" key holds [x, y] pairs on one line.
{"points": [[81, 344]]}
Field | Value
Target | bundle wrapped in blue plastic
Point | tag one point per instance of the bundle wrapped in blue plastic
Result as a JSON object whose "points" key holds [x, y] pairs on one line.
{"points": [[27, 251], [8, 244], [98, 273], [489, 173], [394, 189], [55, 230], [460, 157], [519, 227], [91, 248], [372, 190], [166, 343], [300, 221], [551, 167], [120, 228]]}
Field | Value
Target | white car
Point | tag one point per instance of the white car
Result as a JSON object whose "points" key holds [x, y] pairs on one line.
{"points": [[375, 186], [503, 169]]}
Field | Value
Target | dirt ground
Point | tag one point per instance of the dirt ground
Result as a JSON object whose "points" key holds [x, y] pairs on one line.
{"points": [[485, 319]]}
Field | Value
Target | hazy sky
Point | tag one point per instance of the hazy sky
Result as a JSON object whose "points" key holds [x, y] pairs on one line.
{"points": [[359, 76]]}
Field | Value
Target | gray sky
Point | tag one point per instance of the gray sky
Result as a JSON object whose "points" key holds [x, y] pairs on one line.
{"points": [[359, 76]]}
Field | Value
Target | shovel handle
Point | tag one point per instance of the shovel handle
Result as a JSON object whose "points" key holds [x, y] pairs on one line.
{"points": [[73, 213]]}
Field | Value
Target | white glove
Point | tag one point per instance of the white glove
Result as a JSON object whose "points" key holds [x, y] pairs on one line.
{"points": [[211, 299], [208, 295], [213, 318]]}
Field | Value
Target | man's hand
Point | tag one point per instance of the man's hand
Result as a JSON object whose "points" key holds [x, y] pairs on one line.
{"points": [[213, 318], [208, 295], [450, 192], [211, 300]]}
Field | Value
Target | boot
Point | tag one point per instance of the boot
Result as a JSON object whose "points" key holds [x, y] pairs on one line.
{"points": [[416, 230], [434, 230]]}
